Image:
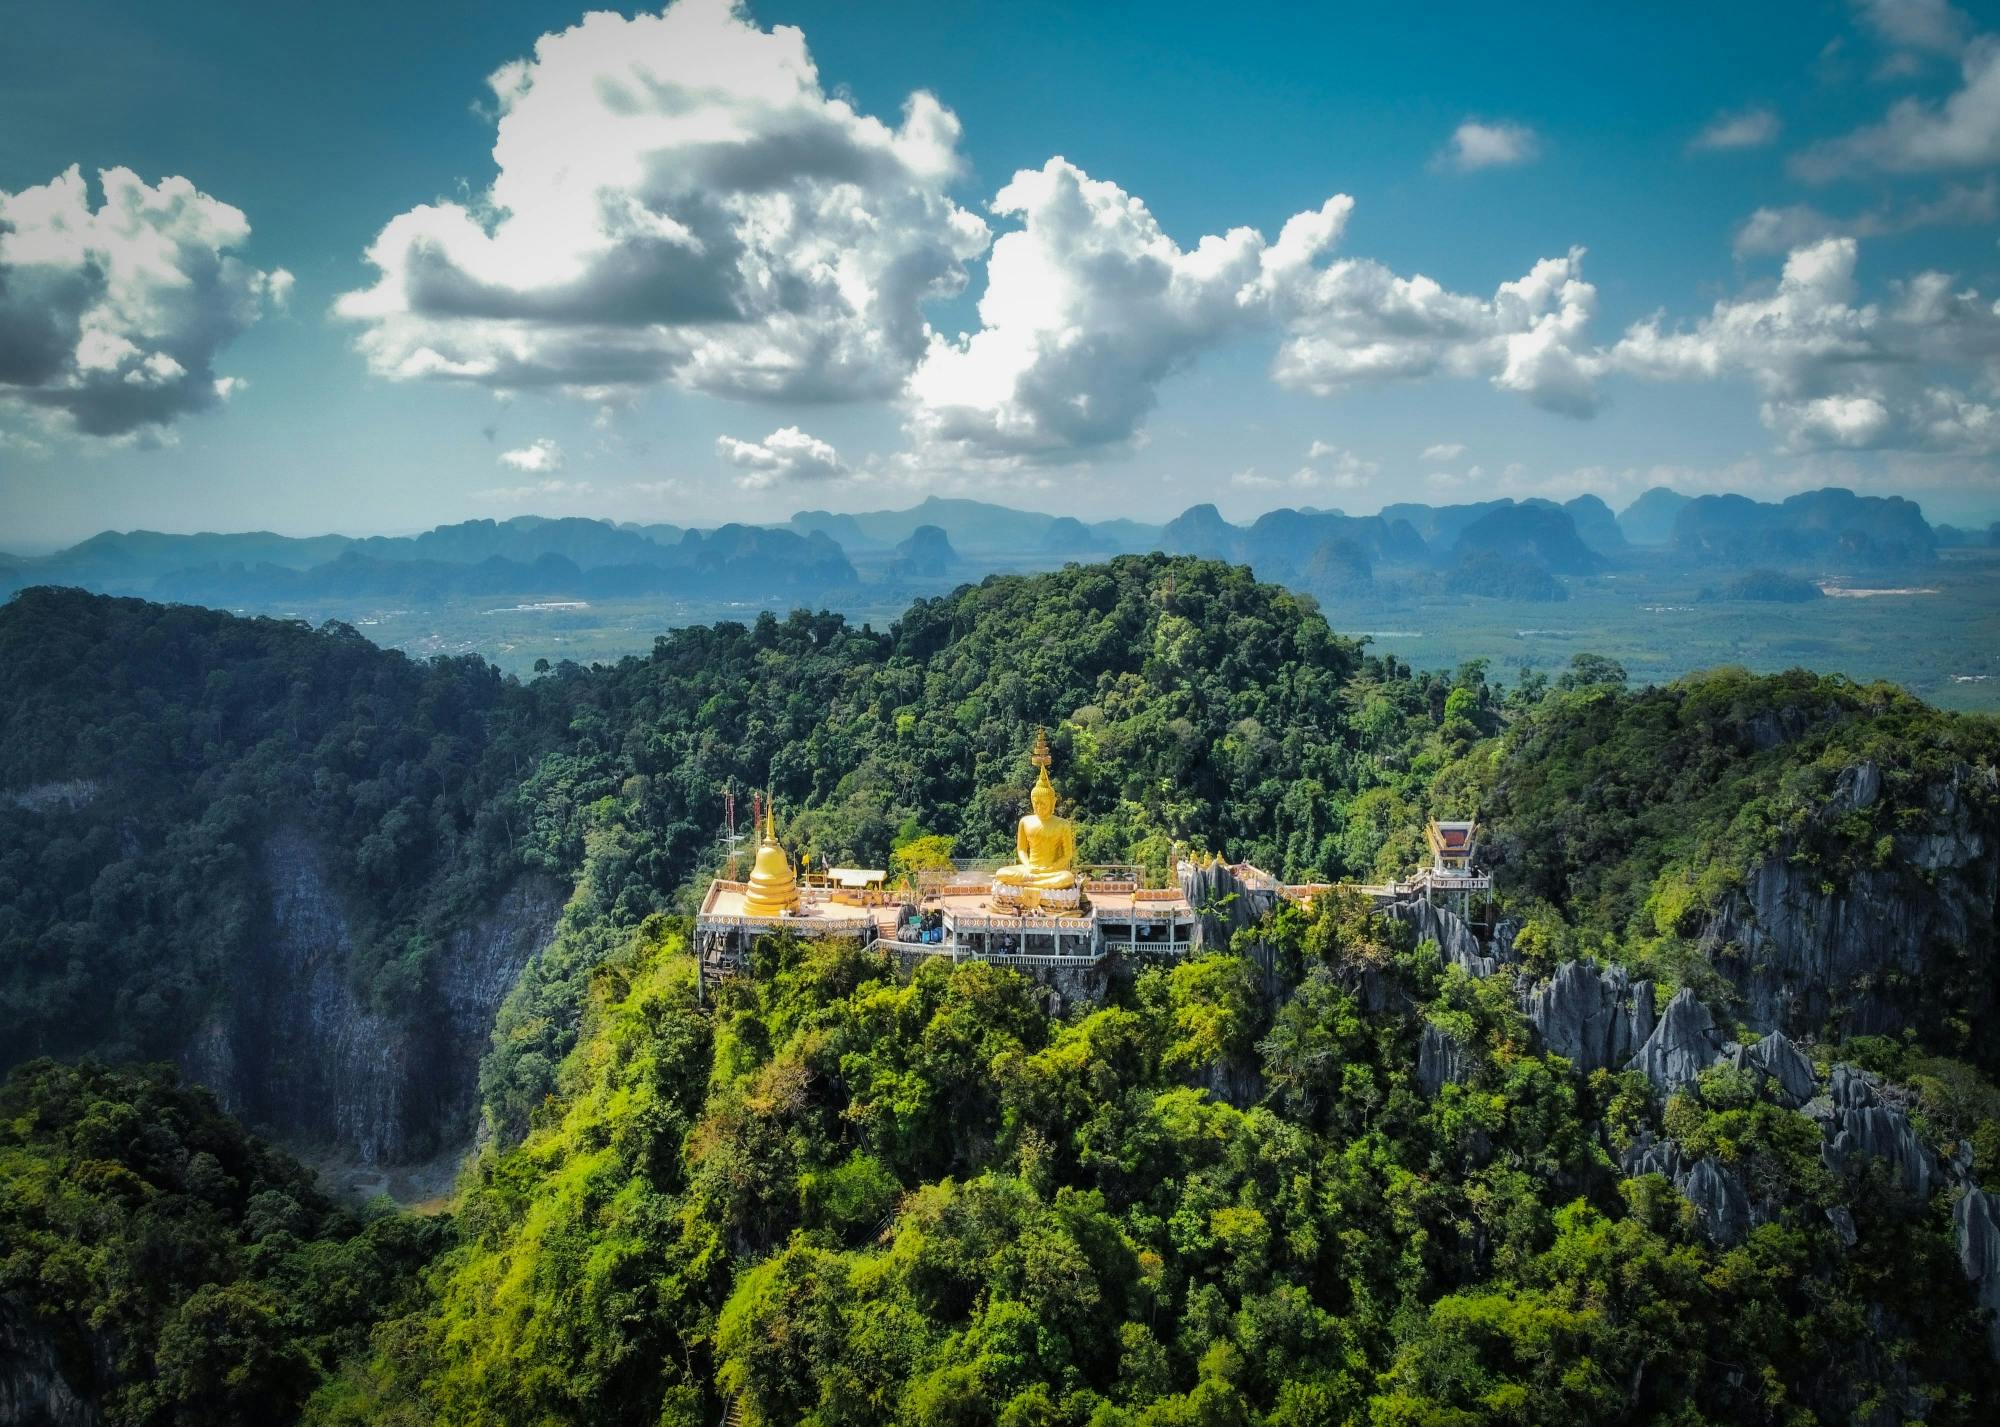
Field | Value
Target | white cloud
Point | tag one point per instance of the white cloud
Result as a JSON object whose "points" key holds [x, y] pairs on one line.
{"points": [[1327, 467], [1779, 230], [787, 454], [1929, 26], [543, 492], [1476, 145], [111, 318], [1444, 451], [1916, 136], [1356, 321], [537, 456], [1089, 306], [1751, 129], [678, 200], [1836, 373]]}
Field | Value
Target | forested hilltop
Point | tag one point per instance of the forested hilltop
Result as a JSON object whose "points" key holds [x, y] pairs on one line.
{"points": [[1349, 1169]]}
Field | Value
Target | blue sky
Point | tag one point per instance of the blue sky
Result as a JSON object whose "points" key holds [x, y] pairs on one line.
{"points": [[1871, 133]]}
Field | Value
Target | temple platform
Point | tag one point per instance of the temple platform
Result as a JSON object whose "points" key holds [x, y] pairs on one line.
{"points": [[958, 920]]}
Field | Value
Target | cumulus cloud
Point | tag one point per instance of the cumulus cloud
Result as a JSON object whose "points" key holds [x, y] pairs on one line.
{"points": [[111, 318], [539, 455], [1444, 451], [1836, 373], [1089, 306], [787, 454], [678, 200], [1927, 26], [1327, 467], [1356, 321], [540, 492], [1475, 145], [1796, 225], [1751, 129], [1916, 136]]}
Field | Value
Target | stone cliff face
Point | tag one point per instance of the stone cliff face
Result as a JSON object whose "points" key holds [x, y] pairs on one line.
{"points": [[33, 1390], [1442, 925], [1599, 1020], [1849, 956], [299, 1051]]}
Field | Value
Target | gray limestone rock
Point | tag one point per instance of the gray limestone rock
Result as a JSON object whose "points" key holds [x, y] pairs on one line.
{"points": [[1454, 939], [1647, 1155], [1790, 1074], [33, 1387], [300, 1047], [1842, 1219], [1976, 1225], [1441, 1061], [1718, 1198], [1594, 1019], [1860, 1125], [1804, 950], [1222, 900], [1856, 788], [1717, 1194], [1684, 1044]]}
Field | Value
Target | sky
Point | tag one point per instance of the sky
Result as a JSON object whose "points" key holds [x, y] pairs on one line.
{"points": [[372, 268]]}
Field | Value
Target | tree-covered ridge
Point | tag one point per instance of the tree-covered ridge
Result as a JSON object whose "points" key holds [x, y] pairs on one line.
{"points": [[1592, 793], [846, 1195], [186, 736], [167, 1268], [1317, 1177]]}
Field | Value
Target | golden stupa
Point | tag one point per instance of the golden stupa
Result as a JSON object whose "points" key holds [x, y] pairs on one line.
{"points": [[1044, 844], [773, 888]]}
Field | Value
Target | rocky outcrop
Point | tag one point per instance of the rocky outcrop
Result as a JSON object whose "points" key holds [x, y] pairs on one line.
{"points": [[1718, 1199], [1808, 953], [1976, 1226], [1225, 903], [1596, 1020], [1717, 1193], [1648, 1155], [1454, 938], [33, 1390], [1684, 1044], [300, 1051], [1858, 1123], [1441, 1061], [1786, 1072], [70, 794]]}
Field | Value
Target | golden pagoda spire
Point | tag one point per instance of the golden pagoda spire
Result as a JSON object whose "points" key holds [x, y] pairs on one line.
{"points": [[773, 888]]}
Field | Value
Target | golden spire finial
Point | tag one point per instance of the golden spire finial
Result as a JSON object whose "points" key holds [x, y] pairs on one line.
{"points": [[770, 822], [1041, 757]]}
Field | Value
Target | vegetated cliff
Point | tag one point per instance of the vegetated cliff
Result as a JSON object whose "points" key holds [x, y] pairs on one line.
{"points": [[1333, 1166], [1819, 938], [280, 857], [34, 1389], [161, 1268], [1826, 850], [296, 1046]]}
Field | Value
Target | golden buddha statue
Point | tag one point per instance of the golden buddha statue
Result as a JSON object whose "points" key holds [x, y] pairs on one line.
{"points": [[1044, 844], [773, 888]]}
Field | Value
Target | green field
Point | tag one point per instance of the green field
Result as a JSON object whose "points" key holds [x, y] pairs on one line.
{"points": [[1941, 638]]}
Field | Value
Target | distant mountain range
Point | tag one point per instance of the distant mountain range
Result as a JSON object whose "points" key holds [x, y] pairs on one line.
{"points": [[824, 556], [525, 555]]}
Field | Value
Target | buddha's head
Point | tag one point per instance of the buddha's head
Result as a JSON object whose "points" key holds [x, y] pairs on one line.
{"points": [[1044, 796]]}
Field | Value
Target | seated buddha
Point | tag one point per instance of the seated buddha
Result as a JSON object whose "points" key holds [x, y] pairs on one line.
{"points": [[1044, 844]]}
